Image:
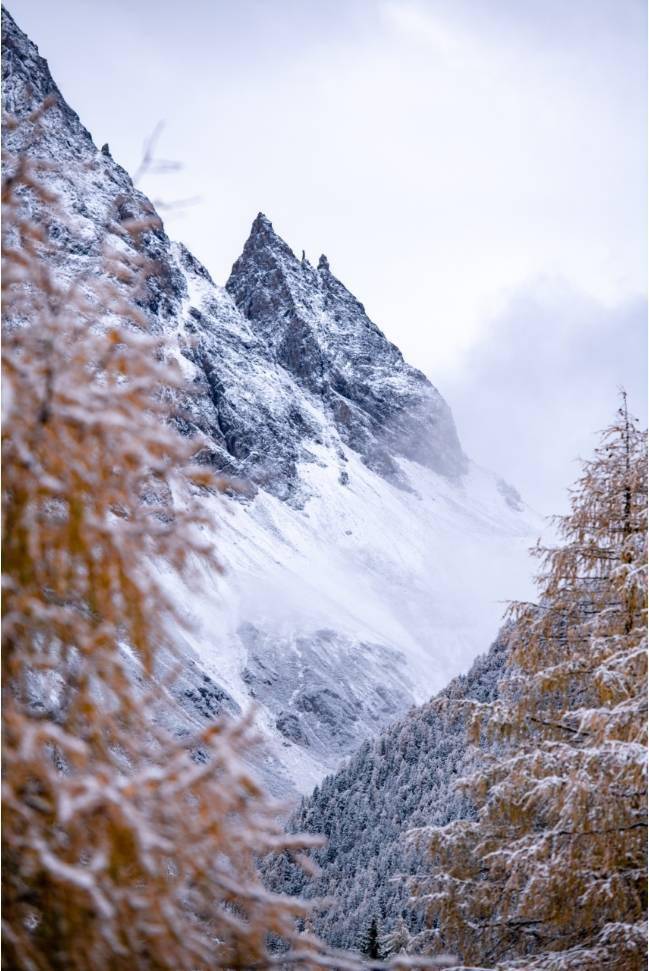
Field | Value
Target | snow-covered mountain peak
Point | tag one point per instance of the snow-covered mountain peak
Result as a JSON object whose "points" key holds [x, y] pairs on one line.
{"points": [[264, 245], [318, 332]]}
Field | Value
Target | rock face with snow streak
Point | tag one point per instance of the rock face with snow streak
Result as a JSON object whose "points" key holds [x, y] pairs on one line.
{"points": [[365, 555], [320, 334]]}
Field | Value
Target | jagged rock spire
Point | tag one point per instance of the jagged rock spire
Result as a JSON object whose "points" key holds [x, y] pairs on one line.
{"points": [[319, 332], [264, 246], [261, 225]]}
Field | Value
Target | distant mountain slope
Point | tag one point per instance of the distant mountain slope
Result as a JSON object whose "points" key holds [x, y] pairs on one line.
{"points": [[399, 781], [365, 555]]}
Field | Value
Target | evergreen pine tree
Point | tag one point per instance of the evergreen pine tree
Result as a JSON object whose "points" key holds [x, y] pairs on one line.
{"points": [[370, 944]]}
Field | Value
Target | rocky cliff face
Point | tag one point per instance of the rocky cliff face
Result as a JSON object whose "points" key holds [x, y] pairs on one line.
{"points": [[320, 334], [365, 555]]}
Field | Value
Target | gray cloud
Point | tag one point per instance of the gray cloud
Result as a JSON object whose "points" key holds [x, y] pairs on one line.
{"points": [[543, 380]]}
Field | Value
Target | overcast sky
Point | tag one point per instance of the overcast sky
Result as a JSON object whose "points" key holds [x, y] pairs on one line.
{"points": [[475, 170]]}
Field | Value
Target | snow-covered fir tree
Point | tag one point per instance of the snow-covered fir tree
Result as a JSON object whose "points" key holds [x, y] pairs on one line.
{"points": [[370, 942], [397, 940], [552, 872]]}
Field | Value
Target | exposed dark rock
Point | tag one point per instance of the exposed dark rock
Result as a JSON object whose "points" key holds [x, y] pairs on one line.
{"points": [[300, 680], [316, 329], [207, 698], [288, 723]]}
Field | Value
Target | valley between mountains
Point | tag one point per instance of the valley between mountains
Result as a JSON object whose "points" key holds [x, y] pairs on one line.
{"points": [[279, 688]]}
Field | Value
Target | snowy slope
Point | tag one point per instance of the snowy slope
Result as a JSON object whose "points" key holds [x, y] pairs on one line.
{"points": [[334, 618], [365, 554]]}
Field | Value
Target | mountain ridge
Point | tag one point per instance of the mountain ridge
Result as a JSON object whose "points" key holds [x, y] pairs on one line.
{"points": [[364, 553], [320, 333]]}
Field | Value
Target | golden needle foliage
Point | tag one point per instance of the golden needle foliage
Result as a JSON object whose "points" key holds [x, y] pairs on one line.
{"points": [[552, 872], [120, 850]]}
